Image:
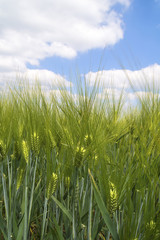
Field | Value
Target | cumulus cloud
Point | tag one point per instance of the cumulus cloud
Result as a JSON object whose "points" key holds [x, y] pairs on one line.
{"points": [[47, 79], [134, 84], [34, 29], [108, 78], [139, 79], [111, 94]]}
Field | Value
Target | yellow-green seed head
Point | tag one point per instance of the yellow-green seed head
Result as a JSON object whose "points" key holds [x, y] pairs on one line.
{"points": [[96, 160], [151, 225], [88, 139], [76, 196], [25, 149], [52, 185], [113, 198], [20, 130], [80, 151], [67, 181], [19, 177], [2, 150], [53, 143], [35, 144]]}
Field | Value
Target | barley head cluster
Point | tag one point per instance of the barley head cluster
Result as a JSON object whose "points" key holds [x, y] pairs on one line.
{"points": [[80, 152], [88, 139], [20, 174], [53, 143], [2, 150], [25, 149], [113, 198], [76, 196], [151, 225], [35, 143], [67, 181], [52, 185]]}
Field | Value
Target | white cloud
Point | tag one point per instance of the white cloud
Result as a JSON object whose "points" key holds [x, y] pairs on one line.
{"points": [[58, 94], [127, 99], [144, 95], [114, 81], [119, 79], [108, 78], [34, 29], [110, 93], [47, 79]]}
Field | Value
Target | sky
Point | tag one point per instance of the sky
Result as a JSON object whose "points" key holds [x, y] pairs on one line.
{"points": [[56, 39]]}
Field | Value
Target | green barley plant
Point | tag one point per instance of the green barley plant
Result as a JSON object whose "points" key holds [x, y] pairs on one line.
{"points": [[77, 167]]}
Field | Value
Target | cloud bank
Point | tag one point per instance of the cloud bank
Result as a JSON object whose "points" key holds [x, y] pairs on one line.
{"points": [[134, 84], [34, 29], [48, 80], [126, 78]]}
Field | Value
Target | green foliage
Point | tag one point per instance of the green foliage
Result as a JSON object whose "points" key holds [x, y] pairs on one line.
{"points": [[47, 145]]}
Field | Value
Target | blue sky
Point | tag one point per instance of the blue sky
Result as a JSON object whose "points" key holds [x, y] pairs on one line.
{"points": [[53, 38], [138, 48]]}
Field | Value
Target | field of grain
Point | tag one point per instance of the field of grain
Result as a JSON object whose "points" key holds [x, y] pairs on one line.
{"points": [[78, 167]]}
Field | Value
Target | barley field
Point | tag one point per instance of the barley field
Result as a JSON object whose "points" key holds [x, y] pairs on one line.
{"points": [[78, 167]]}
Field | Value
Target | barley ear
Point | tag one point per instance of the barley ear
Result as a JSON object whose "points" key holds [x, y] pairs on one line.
{"points": [[113, 198], [20, 175], [2, 150], [51, 185], [25, 149]]}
